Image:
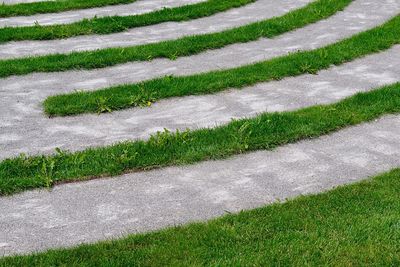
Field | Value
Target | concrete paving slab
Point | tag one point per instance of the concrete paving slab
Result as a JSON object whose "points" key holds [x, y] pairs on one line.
{"points": [[84, 212], [260, 10], [135, 8]]}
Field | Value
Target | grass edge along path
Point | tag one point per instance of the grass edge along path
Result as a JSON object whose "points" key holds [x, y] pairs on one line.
{"points": [[54, 6], [266, 131], [131, 95], [113, 24], [354, 224], [172, 49]]}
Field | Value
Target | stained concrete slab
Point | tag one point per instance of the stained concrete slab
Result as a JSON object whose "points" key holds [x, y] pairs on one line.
{"points": [[77, 213], [262, 9], [135, 8], [25, 129]]}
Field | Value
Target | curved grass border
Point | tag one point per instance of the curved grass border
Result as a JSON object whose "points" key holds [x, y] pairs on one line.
{"points": [[113, 24], [125, 96], [356, 224], [173, 49], [54, 6], [265, 131]]}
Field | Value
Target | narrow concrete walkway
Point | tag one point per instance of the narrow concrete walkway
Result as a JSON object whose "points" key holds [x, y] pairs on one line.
{"points": [[12, 2], [328, 31], [135, 8], [25, 129], [108, 208], [260, 10]]}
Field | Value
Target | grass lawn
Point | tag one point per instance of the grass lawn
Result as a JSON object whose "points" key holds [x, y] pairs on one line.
{"points": [[144, 93], [27, 9], [106, 25], [265, 131], [172, 49], [353, 225]]}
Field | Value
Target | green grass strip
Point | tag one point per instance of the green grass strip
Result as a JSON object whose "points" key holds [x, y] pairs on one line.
{"points": [[125, 96], [173, 49], [353, 225], [106, 25], [265, 131], [54, 6]]}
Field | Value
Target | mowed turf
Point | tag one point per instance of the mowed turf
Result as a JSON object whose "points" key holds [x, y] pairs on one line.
{"points": [[106, 25], [266, 131], [27, 9], [173, 49], [353, 225]]}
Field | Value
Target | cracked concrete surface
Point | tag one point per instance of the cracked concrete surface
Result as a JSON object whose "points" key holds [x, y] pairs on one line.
{"points": [[25, 129], [135, 8], [109, 208], [262, 9]]}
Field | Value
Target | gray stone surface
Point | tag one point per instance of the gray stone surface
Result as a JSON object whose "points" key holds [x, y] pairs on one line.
{"points": [[139, 7], [24, 128], [76, 213], [11, 2], [262, 9], [108, 208]]}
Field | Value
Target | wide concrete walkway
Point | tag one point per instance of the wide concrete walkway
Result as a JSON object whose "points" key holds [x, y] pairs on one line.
{"points": [[25, 129], [11, 2], [260, 10], [109, 208], [135, 8]]}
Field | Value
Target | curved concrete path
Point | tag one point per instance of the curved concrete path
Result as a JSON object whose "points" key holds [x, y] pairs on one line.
{"points": [[76, 213], [26, 130], [108, 208], [262, 9], [12, 2], [135, 8]]}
